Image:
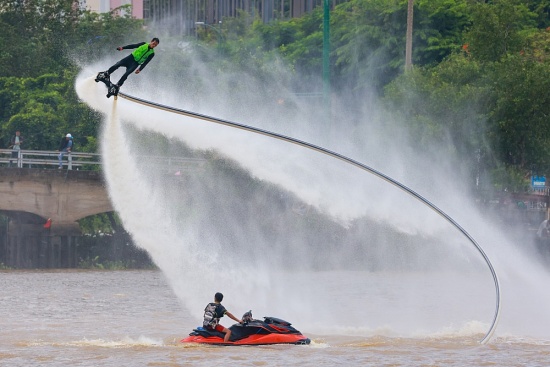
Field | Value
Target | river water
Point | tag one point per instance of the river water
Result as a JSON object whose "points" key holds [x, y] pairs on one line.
{"points": [[401, 288], [133, 318]]}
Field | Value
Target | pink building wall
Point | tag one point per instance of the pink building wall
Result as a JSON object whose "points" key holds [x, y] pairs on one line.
{"points": [[137, 6], [137, 9]]}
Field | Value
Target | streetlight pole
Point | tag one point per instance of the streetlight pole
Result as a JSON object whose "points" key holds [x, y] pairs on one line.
{"points": [[408, 43], [219, 33], [326, 61]]}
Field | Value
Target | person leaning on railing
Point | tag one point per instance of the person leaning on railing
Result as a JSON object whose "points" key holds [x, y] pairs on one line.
{"points": [[64, 147], [15, 145]]}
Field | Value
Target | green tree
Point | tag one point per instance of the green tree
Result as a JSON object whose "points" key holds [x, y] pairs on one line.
{"points": [[43, 43], [499, 28], [47, 36], [542, 9], [444, 106], [368, 39], [438, 29], [45, 109], [520, 127]]}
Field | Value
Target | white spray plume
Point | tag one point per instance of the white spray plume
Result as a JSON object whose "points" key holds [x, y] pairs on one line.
{"points": [[198, 260]]}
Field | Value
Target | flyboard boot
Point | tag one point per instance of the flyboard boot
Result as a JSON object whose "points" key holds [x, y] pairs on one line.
{"points": [[113, 90], [103, 76]]}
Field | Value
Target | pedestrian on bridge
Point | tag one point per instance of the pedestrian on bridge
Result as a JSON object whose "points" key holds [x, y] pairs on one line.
{"points": [[15, 145], [65, 147]]}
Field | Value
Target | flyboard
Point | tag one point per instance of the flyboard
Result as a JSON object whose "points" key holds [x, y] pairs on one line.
{"points": [[112, 89], [353, 162]]}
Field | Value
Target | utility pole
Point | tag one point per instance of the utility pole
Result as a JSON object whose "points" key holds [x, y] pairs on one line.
{"points": [[408, 45], [326, 62]]}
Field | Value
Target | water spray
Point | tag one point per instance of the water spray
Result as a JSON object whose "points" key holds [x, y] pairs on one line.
{"points": [[352, 162]]}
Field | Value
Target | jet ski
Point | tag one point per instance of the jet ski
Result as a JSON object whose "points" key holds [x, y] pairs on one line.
{"points": [[251, 332]]}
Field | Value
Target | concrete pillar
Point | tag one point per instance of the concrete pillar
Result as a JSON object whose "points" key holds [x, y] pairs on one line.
{"points": [[22, 239]]}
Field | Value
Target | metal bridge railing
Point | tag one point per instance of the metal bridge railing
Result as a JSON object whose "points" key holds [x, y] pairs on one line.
{"points": [[87, 161], [45, 158]]}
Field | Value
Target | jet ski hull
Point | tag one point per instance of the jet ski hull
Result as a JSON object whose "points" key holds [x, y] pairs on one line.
{"points": [[251, 340], [270, 331]]}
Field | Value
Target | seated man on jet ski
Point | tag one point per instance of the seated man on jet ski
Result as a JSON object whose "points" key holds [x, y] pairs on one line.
{"points": [[212, 314]]}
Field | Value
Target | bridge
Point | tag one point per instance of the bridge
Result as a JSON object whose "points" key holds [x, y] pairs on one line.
{"points": [[44, 203]]}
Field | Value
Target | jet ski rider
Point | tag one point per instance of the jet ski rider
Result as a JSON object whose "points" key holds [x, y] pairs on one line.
{"points": [[212, 314]]}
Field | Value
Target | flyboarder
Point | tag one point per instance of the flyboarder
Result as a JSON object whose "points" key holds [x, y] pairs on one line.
{"points": [[136, 61]]}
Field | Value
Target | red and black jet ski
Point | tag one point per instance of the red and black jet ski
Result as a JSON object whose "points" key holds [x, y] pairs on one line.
{"points": [[252, 332]]}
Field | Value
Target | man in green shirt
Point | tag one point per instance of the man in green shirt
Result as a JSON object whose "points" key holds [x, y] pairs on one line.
{"points": [[136, 61]]}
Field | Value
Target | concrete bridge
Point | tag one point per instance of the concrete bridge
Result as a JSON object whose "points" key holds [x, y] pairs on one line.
{"points": [[62, 196], [44, 205]]}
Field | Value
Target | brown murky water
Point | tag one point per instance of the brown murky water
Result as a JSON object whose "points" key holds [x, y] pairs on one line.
{"points": [[132, 318]]}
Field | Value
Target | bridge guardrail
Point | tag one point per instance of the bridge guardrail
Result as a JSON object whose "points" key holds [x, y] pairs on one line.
{"points": [[45, 158]]}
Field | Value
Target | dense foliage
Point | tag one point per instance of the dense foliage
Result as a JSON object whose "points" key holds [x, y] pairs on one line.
{"points": [[489, 100], [42, 43], [478, 88]]}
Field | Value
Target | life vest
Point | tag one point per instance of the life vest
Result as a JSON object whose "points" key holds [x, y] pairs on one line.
{"points": [[142, 53], [210, 315]]}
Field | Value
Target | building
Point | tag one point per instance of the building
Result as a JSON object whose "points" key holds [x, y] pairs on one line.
{"points": [[212, 11], [104, 6], [181, 15]]}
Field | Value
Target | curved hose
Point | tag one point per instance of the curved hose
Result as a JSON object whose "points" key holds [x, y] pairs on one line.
{"points": [[353, 162]]}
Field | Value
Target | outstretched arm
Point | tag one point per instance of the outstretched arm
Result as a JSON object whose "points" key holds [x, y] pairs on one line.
{"points": [[128, 47], [230, 315]]}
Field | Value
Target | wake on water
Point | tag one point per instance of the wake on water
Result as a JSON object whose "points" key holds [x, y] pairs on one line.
{"points": [[288, 232]]}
